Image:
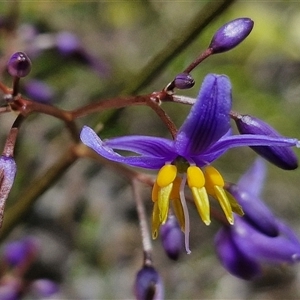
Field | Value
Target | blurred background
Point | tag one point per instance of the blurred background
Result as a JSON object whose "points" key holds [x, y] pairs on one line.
{"points": [[86, 223]]}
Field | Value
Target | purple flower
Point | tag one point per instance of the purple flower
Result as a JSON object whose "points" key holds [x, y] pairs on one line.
{"points": [[259, 237], [231, 34], [204, 136], [8, 171], [148, 285]]}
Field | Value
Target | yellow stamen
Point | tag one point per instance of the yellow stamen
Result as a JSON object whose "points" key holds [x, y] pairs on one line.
{"points": [[195, 177], [196, 181], [234, 204], [212, 178], [201, 200], [166, 175], [164, 201], [155, 192], [176, 203], [155, 220], [224, 202]]}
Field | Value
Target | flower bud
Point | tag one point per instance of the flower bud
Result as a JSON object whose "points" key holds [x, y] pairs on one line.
{"points": [[148, 285], [184, 81], [282, 157], [235, 261], [8, 171], [19, 65], [172, 237], [231, 34]]}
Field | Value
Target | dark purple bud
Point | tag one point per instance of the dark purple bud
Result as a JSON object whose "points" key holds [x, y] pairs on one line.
{"points": [[39, 91], [67, 43], [282, 157], [15, 253], [8, 171], [256, 212], [234, 261], [184, 81], [19, 65], [148, 285], [231, 34], [172, 237], [44, 288]]}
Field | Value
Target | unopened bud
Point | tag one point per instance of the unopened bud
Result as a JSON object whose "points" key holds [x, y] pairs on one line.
{"points": [[184, 81], [19, 65], [282, 157], [148, 285], [172, 238], [231, 34]]}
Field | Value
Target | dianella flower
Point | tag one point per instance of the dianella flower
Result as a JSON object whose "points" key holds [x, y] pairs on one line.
{"points": [[258, 238], [204, 136]]}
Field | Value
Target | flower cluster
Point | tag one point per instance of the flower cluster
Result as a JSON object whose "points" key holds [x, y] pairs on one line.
{"points": [[205, 135]]}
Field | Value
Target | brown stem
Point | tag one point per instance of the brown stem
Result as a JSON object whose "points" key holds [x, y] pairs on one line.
{"points": [[26, 107], [12, 137], [146, 240], [117, 102], [198, 60]]}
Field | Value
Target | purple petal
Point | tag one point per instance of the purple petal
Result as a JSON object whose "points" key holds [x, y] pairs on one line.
{"points": [[208, 119], [256, 212], [234, 261], [251, 140], [253, 180], [258, 246], [144, 145], [90, 139]]}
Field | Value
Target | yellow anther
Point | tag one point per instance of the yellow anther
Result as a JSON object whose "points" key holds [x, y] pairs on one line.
{"points": [[225, 203], [178, 210], [166, 175], [195, 177], [212, 178], [163, 202], [155, 220], [155, 192], [234, 204], [202, 203]]}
